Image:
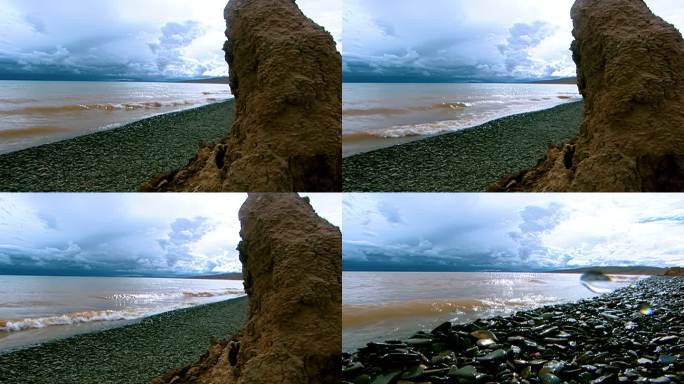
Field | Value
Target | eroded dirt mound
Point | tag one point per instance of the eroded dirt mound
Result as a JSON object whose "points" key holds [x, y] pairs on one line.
{"points": [[286, 75], [292, 269], [630, 67]]}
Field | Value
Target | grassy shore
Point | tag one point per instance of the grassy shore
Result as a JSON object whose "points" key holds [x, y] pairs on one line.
{"points": [[117, 160], [131, 354], [464, 161]]}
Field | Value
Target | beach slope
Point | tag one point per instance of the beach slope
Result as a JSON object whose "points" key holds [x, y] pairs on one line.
{"points": [[127, 355], [118, 160], [468, 160]]}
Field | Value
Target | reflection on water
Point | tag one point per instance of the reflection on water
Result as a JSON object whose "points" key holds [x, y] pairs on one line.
{"points": [[38, 308], [379, 306]]}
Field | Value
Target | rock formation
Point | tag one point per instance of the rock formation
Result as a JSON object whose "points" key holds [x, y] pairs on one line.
{"points": [[630, 69], [674, 271], [292, 270], [286, 75]]}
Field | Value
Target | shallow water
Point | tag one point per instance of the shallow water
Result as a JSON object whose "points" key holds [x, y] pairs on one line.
{"points": [[381, 115], [380, 306], [35, 309], [39, 112]]}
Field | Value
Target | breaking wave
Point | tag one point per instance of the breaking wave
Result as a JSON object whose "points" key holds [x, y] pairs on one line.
{"points": [[69, 319], [104, 107], [399, 111], [356, 315]]}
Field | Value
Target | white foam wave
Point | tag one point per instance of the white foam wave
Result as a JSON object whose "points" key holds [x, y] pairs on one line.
{"points": [[70, 319]]}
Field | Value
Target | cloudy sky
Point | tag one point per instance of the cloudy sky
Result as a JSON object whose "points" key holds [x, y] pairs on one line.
{"points": [[126, 234], [123, 39], [464, 40], [518, 232]]}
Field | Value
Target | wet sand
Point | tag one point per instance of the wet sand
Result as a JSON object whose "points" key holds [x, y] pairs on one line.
{"points": [[464, 161], [118, 160], [132, 354]]}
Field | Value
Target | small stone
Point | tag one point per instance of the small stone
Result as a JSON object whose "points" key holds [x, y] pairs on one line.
{"points": [[386, 378], [550, 378], [484, 343], [666, 359], [644, 361], [467, 372], [493, 356], [483, 334]]}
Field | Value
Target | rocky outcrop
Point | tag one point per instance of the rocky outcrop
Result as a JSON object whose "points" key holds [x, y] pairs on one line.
{"points": [[630, 67], [286, 75], [292, 270], [674, 271]]}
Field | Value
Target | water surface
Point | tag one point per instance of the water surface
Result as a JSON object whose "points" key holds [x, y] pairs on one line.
{"points": [[381, 115], [39, 112], [380, 306], [36, 309]]}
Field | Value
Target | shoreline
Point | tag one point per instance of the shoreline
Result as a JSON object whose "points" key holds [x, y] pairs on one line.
{"points": [[469, 160], [632, 333], [120, 159], [135, 353]]}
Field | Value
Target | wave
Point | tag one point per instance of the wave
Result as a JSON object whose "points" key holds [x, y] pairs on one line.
{"points": [[103, 107], [173, 296], [399, 111], [69, 319], [214, 294], [356, 315], [30, 131], [224, 92], [17, 101]]}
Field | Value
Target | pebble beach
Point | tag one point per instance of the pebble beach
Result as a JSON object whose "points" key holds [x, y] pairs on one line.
{"points": [[117, 160], [465, 161], [131, 354], [632, 335]]}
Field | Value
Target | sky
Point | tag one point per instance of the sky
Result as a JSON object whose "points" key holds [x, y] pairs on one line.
{"points": [[124, 39], [516, 232], [464, 40], [127, 234]]}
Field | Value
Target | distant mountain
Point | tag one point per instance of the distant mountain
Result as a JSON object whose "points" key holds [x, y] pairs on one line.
{"points": [[213, 80], [222, 276], [633, 270], [565, 80]]}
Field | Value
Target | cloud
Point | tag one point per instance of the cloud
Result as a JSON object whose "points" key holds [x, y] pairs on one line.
{"points": [[466, 232], [516, 51], [177, 245], [536, 221], [126, 234], [122, 40], [171, 61], [460, 40]]}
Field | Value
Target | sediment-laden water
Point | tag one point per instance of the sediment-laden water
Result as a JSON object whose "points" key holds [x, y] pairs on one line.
{"points": [[39, 112], [380, 115], [386, 305], [35, 309], [633, 335]]}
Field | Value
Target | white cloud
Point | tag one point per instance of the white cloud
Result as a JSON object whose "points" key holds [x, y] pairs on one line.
{"points": [[529, 232], [124, 38], [153, 234], [459, 39]]}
